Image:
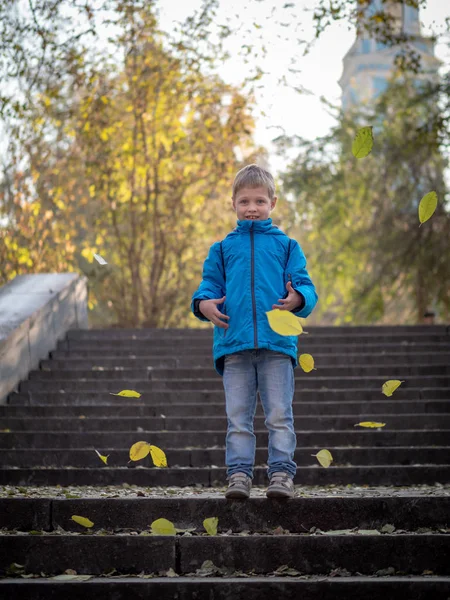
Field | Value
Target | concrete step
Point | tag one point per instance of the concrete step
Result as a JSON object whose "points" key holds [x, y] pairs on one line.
{"points": [[321, 360], [318, 554], [183, 439], [304, 341], [201, 372], [297, 515], [209, 423], [168, 397], [312, 587], [397, 475], [170, 353], [306, 380], [123, 409], [193, 333], [343, 456]]}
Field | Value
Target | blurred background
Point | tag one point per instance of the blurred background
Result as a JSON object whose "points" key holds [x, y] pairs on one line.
{"points": [[123, 123]]}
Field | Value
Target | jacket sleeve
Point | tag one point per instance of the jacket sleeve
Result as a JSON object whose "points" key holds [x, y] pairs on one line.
{"points": [[213, 281], [301, 281]]}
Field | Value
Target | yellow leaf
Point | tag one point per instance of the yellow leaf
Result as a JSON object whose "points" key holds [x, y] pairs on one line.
{"points": [[427, 206], [363, 142], [306, 362], [284, 322], [103, 458], [82, 521], [158, 457], [139, 450], [369, 424], [163, 527], [104, 99], [211, 525], [127, 394], [389, 387], [324, 457]]}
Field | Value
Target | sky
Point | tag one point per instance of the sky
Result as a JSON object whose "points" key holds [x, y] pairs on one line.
{"points": [[320, 70]]}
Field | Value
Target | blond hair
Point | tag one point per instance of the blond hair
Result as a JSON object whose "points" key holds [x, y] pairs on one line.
{"points": [[253, 176]]}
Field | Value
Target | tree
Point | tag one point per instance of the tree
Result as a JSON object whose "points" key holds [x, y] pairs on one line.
{"points": [[132, 162], [371, 259]]}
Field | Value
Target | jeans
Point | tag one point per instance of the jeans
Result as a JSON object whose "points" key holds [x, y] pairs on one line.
{"points": [[272, 374]]}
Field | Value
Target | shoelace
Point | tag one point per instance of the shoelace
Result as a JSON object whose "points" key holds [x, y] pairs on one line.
{"points": [[237, 479], [280, 480]]}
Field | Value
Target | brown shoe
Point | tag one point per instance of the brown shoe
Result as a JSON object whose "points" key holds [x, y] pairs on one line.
{"points": [[281, 486], [239, 486]]}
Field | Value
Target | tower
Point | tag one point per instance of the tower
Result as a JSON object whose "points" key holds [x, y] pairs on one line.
{"points": [[369, 63]]}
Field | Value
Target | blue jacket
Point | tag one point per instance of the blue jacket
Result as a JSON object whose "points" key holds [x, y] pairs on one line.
{"points": [[251, 267]]}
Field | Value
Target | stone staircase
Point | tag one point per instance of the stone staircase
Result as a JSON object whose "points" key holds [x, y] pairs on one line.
{"points": [[375, 523]]}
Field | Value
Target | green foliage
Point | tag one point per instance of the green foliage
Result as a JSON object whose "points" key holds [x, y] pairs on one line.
{"points": [[370, 258]]}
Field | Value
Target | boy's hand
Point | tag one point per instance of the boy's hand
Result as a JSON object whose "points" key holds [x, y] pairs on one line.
{"points": [[293, 299], [209, 309]]}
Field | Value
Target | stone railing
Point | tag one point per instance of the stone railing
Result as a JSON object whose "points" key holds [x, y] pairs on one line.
{"points": [[35, 312]]}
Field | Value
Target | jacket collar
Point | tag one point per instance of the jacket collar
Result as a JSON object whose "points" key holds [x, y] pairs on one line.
{"points": [[249, 225]]}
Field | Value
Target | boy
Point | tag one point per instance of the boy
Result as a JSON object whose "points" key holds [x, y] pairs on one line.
{"points": [[246, 273]]}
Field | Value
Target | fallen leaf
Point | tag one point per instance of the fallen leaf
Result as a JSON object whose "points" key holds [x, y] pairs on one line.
{"points": [[139, 450], [127, 394], [287, 570], [369, 532], [427, 206], [158, 457], [363, 142], [163, 527], [306, 362], [389, 387], [103, 458], [284, 322], [82, 521], [67, 577], [388, 528], [210, 525], [369, 424], [324, 457]]}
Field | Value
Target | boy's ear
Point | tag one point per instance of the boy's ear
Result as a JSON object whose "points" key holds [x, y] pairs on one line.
{"points": [[274, 201]]}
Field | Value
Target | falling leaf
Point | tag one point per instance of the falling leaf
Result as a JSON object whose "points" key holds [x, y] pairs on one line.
{"points": [[82, 521], [210, 525], [306, 362], [103, 458], [324, 457], [139, 450], [100, 260], [389, 387], [427, 206], [163, 527], [158, 457], [363, 142], [369, 424], [284, 322], [127, 394]]}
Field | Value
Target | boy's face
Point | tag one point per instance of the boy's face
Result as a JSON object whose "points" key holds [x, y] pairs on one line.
{"points": [[253, 203]]}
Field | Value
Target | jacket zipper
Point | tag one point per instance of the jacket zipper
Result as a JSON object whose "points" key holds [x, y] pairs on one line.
{"points": [[252, 240]]}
